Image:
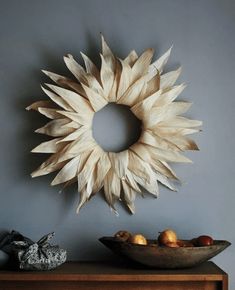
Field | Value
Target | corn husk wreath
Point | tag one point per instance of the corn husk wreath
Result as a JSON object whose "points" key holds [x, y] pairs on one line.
{"points": [[151, 95]]}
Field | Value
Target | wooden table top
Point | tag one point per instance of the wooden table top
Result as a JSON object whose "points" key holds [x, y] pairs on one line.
{"points": [[110, 271]]}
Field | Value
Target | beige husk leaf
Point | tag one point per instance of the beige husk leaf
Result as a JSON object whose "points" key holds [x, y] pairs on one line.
{"points": [[134, 81]]}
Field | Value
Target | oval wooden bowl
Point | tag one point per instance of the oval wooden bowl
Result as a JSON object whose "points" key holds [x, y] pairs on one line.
{"points": [[153, 255]]}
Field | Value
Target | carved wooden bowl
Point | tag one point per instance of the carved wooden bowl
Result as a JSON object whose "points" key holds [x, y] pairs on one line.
{"points": [[153, 255]]}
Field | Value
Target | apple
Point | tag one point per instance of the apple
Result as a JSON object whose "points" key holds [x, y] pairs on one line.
{"points": [[172, 245], [122, 235], [167, 236], [138, 239], [204, 241]]}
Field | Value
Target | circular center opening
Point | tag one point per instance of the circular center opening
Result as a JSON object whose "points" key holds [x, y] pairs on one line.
{"points": [[116, 128]]}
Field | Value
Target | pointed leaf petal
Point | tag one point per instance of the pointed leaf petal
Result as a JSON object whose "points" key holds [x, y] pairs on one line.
{"points": [[55, 128], [57, 99], [159, 64], [48, 146], [68, 172], [119, 162], [169, 79], [131, 58]]}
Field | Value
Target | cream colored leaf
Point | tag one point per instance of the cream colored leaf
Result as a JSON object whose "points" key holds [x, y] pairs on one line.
{"points": [[49, 146], [119, 162], [54, 162], [107, 53], [141, 150], [76, 69], [57, 99], [152, 86], [125, 79], [114, 182], [131, 181], [162, 109], [164, 180], [132, 95], [90, 67], [183, 143], [180, 122], [139, 167], [40, 104], [81, 118], [151, 139], [131, 58], [129, 196], [68, 172], [83, 133], [163, 168], [83, 159], [65, 82], [55, 128], [75, 101], [169, 79], [73, 125], [94, 85], [86, 172], [142, 108], [141, 65], [109, 187], [49, 113], [159, 64], [44, 170], [151, 187], [91, 180], [176, 108], [84, 197], [46, 108], [145, 154], [58, 79], [96, 100], [77, 147], [171, 171], [114, 89], [103, 167], [107, 77], [169, 131], [170, 95], [164, 155]]}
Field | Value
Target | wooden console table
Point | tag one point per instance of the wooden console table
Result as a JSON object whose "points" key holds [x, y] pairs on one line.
{"points": [[107, 276]]}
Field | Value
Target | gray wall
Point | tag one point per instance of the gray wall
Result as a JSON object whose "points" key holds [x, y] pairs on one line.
{"points": [[36, 34]]}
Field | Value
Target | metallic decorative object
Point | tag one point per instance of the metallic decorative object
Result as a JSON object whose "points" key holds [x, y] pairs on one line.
{"points": [[133, 82]]}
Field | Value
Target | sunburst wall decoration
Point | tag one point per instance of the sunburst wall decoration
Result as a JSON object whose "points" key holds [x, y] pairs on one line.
{"points": [[151, 95]]}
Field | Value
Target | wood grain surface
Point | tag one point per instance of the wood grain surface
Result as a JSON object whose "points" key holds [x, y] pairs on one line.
{"points": [[107, 275]]}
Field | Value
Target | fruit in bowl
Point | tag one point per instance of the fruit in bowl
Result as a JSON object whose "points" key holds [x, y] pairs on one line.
{"points": [[168, 236], [172, 245], [165, 252], [125, 236], [138, 239], [122, 235], [204, 241]]}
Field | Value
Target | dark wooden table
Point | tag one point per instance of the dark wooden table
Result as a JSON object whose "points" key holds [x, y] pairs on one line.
{"points": [[106, 276]]}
